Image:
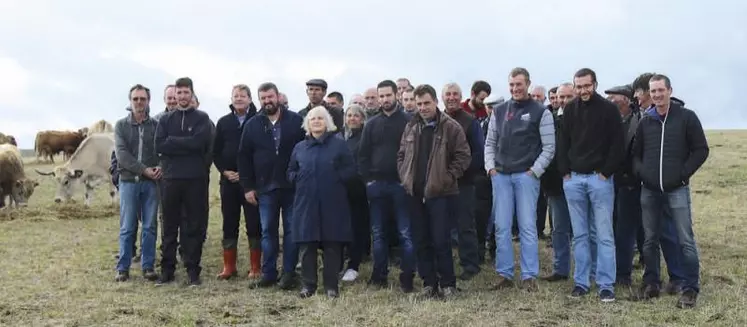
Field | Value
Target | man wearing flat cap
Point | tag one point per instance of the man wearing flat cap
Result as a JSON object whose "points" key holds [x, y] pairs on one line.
{"points": [[316, 89]]}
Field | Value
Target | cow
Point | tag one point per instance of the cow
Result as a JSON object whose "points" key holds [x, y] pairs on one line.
{"points": [[88, 165], [49, 143], [13, 181], [101, 126]]}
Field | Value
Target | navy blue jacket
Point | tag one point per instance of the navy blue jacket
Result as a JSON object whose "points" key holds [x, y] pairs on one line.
{"points": [[320, 169], [262, 168], [227, 139], [183, 141], [476, 141]]}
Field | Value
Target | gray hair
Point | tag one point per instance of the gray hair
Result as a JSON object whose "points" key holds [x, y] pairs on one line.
{"points": [[356, 110], [319, 111]]}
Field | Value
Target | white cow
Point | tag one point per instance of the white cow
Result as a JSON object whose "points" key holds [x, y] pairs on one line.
{"points": [[88, 165]]}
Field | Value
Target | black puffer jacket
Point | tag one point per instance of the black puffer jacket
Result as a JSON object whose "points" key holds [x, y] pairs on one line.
{"points": [[669, 150]]}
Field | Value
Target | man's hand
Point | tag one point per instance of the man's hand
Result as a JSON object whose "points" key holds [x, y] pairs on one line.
{"points": [[159, 172], [150, 173], [567, 177], [492, 172], [251, 197], [231, 175], [530, 173], [601, 176]]}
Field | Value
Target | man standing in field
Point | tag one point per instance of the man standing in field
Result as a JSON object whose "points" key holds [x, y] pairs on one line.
{"points": [[590, 152], [670, 147], [183, 140]]}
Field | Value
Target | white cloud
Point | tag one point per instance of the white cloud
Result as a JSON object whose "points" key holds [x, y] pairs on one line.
{"points": [[14, 82]]}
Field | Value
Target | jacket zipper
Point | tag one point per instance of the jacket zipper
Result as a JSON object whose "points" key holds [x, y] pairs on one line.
{"points": [[661, 153], [182, 121], [139, 146]]}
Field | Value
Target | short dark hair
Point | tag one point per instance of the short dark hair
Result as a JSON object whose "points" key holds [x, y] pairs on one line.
{"points": [[139, 87], [641, 82], [586, 72], [424, 89], [267, 86], [404, 79], [553, 89], [662, 77], [387, 83], [185, 82], [336, 95], [481, 86], [519, 71]]}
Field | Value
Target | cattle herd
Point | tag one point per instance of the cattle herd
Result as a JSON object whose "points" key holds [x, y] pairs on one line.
{"points": [[86, 153]]}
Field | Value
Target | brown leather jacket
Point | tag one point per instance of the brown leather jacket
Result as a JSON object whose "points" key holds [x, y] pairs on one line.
{"points": [[449, 158]]}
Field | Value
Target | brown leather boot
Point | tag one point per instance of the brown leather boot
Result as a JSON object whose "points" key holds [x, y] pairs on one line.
{"points": [[229, 264], [255, 259]]}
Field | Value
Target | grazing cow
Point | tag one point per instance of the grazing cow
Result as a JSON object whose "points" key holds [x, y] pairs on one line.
{"points": [[50, 143], [13, 181], [89, 165]]}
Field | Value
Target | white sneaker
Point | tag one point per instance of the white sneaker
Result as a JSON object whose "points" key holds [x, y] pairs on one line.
{"points": [[350, 275]]}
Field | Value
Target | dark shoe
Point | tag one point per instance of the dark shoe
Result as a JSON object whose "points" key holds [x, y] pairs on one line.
{"points": [[306, 293], [263, 283], [687, 300], [450, 292], [429, 292], [530, 285], [554, 278], [288, 281], [467, 275], [164, 279], [649, 292], [333, 294], [122, 276], [194, 279], [406, 286], [150, 274], [672, 288], [607, 296], [578, 292], [378, 283], [502, 283]]}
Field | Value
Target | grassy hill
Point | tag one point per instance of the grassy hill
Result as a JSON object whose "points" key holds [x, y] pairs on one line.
{"points": [[58, 269]]}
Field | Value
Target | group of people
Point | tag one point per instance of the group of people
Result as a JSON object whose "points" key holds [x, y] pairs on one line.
{"points": [[395, 171]]}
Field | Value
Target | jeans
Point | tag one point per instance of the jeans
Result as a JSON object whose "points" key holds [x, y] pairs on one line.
{"points": [[232, 201], [520, 191], [431, 226], [464, 204], [381, 195], [137, 199], [561, 235], [591, 203], [270, 205], [675, 206]]}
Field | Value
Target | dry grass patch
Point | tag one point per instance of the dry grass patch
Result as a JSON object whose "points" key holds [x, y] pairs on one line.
{"points": [[57, 269]]}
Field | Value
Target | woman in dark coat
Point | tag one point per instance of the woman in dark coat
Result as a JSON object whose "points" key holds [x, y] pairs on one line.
{"points": [[355, 118], [320, 167]]}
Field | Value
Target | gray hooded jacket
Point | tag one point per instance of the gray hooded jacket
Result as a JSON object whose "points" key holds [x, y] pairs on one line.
{"points": [[134, 146]]}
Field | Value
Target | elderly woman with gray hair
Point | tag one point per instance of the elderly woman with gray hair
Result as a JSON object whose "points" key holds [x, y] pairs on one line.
{"points": [[320, 168], [355, 118]]}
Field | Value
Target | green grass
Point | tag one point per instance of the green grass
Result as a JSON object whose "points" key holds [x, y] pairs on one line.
{"points": [[57, 269]]}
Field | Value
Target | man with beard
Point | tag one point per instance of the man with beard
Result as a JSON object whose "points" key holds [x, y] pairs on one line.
{"points": [[520, 145], [591, 150], [371, 102], [225, 154], [474, 105], [552, 95], [315, 90], [377, 161], [670, 147], [538, 94], [267, 142], [464, 203], [183, 140]]}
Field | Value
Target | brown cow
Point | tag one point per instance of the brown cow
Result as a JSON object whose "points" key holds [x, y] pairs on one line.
{"points": [[50, 143], [13, 181]]}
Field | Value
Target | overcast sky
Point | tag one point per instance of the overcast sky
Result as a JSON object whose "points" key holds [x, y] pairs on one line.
{"points": [[66, 64]]}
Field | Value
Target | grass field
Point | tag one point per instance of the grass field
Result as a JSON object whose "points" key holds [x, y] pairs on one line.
{"points": [[57, 269]]}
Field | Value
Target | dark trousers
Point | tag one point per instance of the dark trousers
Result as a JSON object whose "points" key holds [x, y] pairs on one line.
{"points": [[361, 224], [464, 205], [541, 213], [332, 255], [431, 228], [232, 200], [627, 224], [192, 196], [483, 208]]}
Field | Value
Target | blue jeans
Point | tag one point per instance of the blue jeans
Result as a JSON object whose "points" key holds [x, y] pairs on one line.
{"points": [[675, 206], [137, 199], [591, 203], [520, 191], [270, 205], [383, 195], [561, 235]]}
